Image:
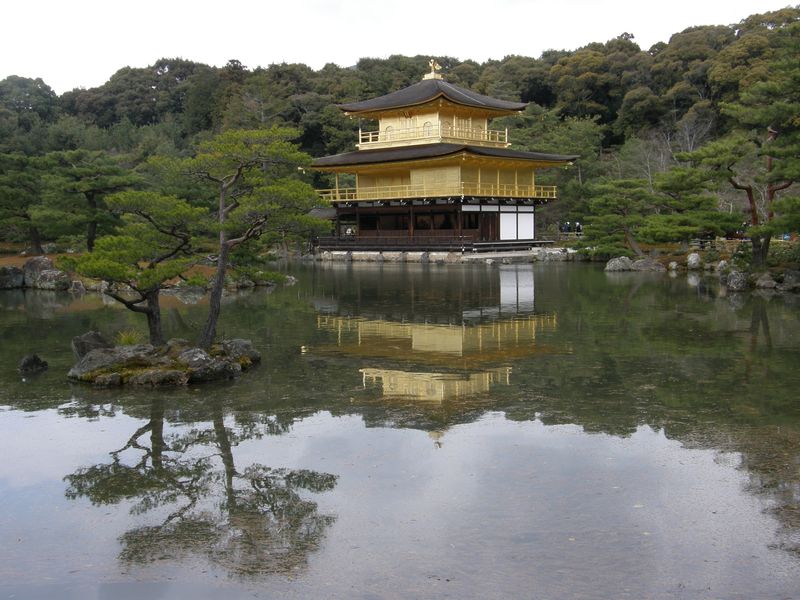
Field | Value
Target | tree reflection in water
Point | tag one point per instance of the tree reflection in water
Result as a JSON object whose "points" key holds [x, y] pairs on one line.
{"points": [[249, 522]]}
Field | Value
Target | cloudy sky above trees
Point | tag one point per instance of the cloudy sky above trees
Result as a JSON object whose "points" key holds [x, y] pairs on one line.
{"points": [[83, 42]]}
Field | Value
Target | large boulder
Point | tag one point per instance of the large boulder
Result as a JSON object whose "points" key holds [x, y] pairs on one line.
{"points": [[83, 344], [39, 272], [33, 267], [647, 264], [791, 281], [202, 366], [765, 282], [693, 261], [11, 278], [241, 351], [53, 279], [622, 263], [737, 281], [96, 361]]}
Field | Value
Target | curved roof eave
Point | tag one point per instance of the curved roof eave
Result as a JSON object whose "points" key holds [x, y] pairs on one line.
{"points": [[427, 151], [428, 90]]}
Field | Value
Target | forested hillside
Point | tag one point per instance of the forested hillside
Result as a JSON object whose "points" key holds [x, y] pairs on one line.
{"points": [[696, 135]]}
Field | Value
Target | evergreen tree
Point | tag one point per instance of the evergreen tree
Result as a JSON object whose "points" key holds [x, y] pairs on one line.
{"points": [[254, 173], [618, 210], [77, 183], [153, 246]]}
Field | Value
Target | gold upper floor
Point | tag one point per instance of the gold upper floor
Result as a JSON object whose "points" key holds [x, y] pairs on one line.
{"points": [[432, 125]]}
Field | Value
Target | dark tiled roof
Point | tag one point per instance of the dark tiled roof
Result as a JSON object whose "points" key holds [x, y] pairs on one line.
{"points": [[429, 89], [386, 155]]}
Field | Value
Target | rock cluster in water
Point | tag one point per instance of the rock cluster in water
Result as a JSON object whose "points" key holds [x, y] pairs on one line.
{"points": [[733, 279], [38, 272], [174, 364], [623, 263]]}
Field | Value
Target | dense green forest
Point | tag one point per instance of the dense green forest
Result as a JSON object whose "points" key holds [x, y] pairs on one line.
{"points": [[698, 136]]}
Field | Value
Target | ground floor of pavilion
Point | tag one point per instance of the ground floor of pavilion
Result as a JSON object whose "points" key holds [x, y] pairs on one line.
{"points": [[426, 224]]}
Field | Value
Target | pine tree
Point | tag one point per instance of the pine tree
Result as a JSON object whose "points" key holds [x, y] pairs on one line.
{"points": [[153, 246]]}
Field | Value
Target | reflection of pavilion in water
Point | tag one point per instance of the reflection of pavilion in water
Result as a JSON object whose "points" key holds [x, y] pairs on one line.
{"points": [[434, 387], [462, 357]]}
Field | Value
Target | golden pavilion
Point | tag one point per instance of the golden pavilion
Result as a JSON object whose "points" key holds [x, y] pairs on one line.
{"points": [[434, 175]]}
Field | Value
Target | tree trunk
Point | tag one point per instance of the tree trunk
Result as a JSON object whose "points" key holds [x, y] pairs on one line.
{"points": [[36, 240], [154, 319], [632, 243], [760, 249], [91, 229], [215, 298]]}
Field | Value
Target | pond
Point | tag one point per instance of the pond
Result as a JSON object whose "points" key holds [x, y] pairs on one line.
{"points": [[417, 431]]}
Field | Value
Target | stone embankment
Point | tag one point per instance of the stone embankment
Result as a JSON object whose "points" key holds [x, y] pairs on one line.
{"points": [[449, 258]]}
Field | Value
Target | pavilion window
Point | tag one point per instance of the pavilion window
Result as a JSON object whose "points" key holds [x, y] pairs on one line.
{"points": [[393, 222], [470, 220], [443, 221], [423, 221], [368, 222]]}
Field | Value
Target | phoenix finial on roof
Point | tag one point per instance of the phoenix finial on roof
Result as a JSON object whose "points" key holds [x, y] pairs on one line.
{"points": [[435, 66]]}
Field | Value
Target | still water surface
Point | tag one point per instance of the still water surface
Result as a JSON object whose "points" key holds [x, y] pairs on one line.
{"points": [[546, 431]]}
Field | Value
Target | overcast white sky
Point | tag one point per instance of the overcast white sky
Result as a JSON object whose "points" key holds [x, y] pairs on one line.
{"points": [[81, 43]]}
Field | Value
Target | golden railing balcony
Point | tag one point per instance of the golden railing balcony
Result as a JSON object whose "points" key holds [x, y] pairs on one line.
{"points": [[430, 134], [462, 189]]}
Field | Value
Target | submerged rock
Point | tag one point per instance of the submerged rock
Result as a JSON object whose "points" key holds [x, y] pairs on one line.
{"points": [[32, 364]]}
